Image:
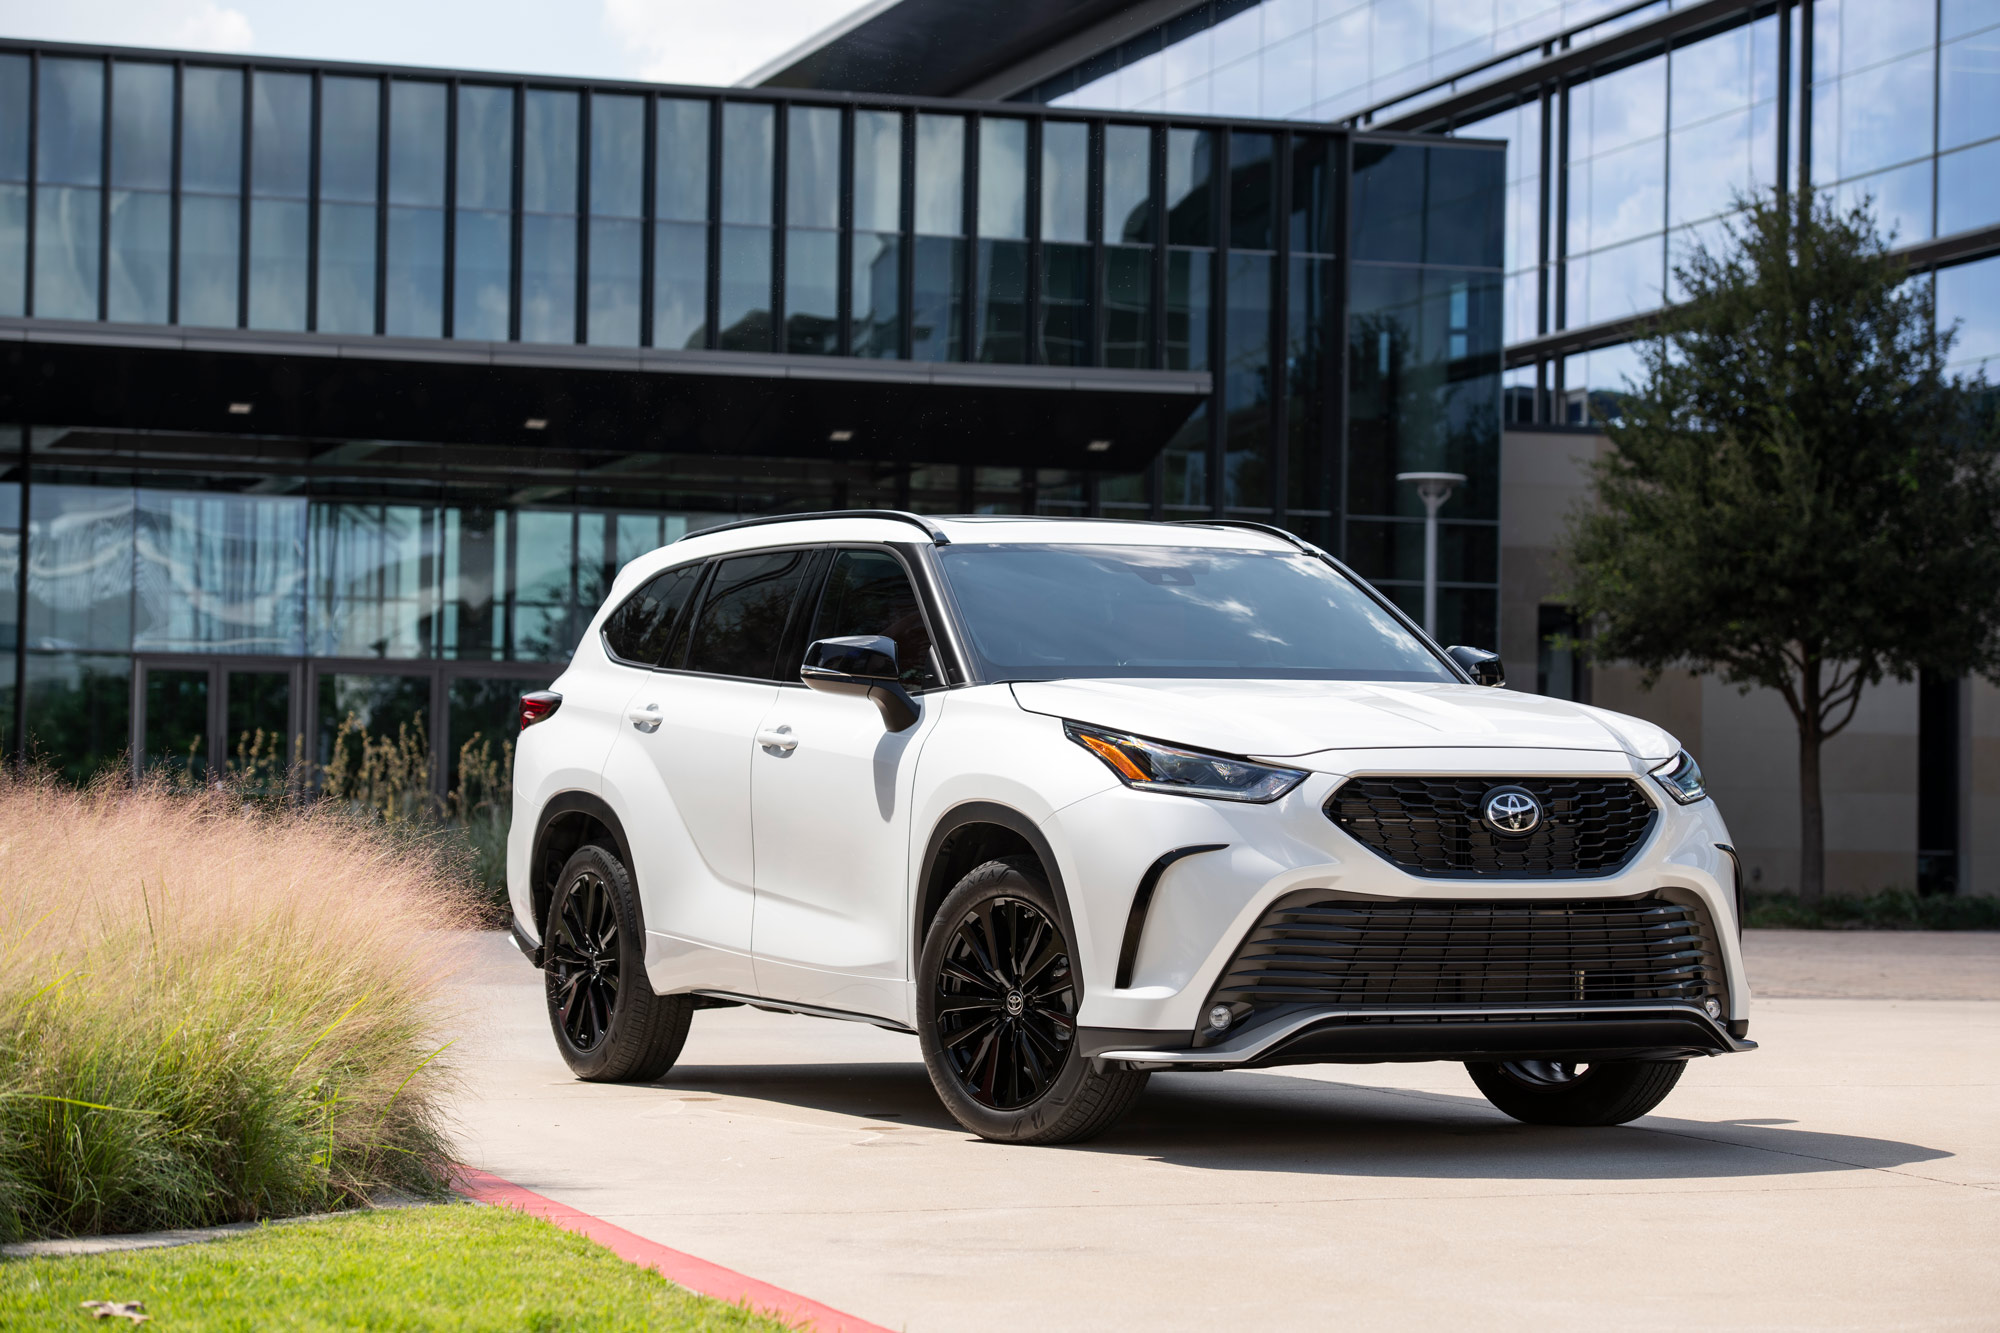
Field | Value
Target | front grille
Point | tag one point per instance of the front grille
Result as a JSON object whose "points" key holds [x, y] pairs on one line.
{"points": [[1468, 954], [1432, 826]]}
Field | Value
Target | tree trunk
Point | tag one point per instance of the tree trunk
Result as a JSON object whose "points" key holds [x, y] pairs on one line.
{"points": [[1812, 819]]}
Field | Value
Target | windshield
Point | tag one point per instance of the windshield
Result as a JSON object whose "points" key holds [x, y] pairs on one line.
{"points": [[1055, 612]]}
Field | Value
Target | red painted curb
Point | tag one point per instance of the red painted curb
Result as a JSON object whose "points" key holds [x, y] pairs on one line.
{"points": [[683, 1270]]}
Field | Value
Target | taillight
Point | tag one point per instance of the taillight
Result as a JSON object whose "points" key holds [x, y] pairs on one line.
{"points": [[539, 706]]}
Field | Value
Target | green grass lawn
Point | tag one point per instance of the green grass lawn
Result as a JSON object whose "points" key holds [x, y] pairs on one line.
{"points": [[451, 1266]]}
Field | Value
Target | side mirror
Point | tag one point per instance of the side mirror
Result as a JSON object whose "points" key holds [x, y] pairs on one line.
{"points": [[1482, 666], [865, 665]]}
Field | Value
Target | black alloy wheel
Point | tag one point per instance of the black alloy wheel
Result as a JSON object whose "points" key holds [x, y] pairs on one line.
{"points": [[583, 961], [607, 1022], [997, 1000], [1006, 1003]]}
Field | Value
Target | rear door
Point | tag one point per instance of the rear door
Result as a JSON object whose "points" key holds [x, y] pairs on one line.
{"points": [[682, 769]]}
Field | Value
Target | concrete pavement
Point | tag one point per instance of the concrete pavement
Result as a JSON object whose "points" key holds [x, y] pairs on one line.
{"points": [[1846, 1175]]}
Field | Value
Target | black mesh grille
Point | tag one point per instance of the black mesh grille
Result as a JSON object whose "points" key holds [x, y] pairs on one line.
{"points": [[1472, 954], [1432, 826]]}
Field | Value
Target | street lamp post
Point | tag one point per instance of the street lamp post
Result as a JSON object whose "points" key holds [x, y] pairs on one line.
{"points": [[1433, 488]]}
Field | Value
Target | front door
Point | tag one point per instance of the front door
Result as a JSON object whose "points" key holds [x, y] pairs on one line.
{"points": [[830, 797], [202, 720]]}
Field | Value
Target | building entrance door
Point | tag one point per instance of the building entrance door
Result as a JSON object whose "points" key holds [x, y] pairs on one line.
{"points": [[202, 719]]}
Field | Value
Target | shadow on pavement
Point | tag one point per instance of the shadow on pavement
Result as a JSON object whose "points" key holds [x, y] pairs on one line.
{"points": [[1279, 1123]]}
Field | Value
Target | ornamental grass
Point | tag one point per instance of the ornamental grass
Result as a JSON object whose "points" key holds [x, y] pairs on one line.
{"points": [[213, 1009]]}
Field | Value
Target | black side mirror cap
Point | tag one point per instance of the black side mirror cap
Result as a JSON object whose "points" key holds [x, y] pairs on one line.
{"points": [[1484, 667], [863, 664]]}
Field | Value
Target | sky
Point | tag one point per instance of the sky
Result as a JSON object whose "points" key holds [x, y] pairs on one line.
{"points": [[666, 41]]}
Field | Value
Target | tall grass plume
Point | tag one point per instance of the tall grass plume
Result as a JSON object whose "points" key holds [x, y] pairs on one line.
{"points": [[213, 1009]]}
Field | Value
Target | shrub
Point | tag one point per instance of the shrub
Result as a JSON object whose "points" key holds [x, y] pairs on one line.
{"points": [[212, 1009]]}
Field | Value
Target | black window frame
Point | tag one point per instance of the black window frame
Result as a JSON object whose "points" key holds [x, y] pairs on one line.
{"points": [[833, 550], [790, 651], [693, 599]]}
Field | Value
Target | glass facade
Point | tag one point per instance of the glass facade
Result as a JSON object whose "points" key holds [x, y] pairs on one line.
{"points": [[1336, 294], [1616, 167]]}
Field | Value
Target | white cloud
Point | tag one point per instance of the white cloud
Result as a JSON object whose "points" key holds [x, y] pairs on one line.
{"points": [[714, 41], [213, 28]]}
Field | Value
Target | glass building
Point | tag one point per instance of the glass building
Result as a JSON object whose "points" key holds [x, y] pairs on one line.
{"points": [[1632, 129], [332, 390]]}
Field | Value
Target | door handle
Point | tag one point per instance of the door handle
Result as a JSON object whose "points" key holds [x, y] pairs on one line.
{"points": [[646, 719], [779, 739]]}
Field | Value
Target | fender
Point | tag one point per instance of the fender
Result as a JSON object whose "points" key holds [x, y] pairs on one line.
{"points": [[588, 803], [986, 812]]}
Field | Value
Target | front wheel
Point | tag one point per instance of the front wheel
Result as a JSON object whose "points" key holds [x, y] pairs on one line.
{"points": [[997, 997], [1556, 1092], [608, 1023]]}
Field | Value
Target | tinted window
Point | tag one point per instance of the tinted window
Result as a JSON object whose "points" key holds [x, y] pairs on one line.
{"points": [[638, 631], [742, 619], [1054, 612], [867, 592]]}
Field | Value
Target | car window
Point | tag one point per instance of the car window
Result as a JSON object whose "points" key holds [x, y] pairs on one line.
{"points": [[638, 631], [867, 592], [741, 624]]}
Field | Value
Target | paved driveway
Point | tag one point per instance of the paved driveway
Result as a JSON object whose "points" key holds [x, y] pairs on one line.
{"points": [[1846, 1175]]}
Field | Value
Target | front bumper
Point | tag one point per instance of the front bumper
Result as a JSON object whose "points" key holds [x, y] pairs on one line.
{"points": [[1378, 1035]]}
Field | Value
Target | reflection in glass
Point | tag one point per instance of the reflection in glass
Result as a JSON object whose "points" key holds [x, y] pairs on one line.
{"points": [[617, 155], [812, 153], [1190, 206], [80, 568], [748, 154], [940, 180], [79, 711], [1003, 178], [1065, 181], [1968, 188], [136, 282], [280, 174], [14, 78], [1187, 309], [1246, 383], [937, 301], [66, 232], [1001, 317], [1309, 440], [1873, 119], [680, 182], [548, 278], [69, 139], [176, 727], [877, 283], [744, 313], [69, 129], [1184, 467], [615, 282], [392, 708], [258, 718], [548, 153], [1065, 311], [1252, 186], [211, 183], [1313, 222], [680, 284], [1128, 184], [1418, 204], [209, 227], [349, 112], [1902, 200], [480, 301], [1128, 306], [812, 291], [414, 276], [346, 268], [1969, 91], [878, 171], [369, 593]]}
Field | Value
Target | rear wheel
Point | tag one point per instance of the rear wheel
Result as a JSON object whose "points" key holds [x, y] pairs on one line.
{"points": [[608, 1023], [1556, 1092], [996, 1015]]}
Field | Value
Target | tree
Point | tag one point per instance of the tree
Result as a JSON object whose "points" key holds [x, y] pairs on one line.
{"points": [[1798, 496]]}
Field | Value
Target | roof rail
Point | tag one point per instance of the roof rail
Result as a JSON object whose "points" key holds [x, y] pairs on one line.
{"points": [[932, 530], [1267, 529]]}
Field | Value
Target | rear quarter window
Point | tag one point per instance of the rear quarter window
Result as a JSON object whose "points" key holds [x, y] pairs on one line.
{"points": [[640, 629]]}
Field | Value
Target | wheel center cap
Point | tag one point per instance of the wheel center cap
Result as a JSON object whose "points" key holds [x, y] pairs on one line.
{"points": [[1015, 1003]]}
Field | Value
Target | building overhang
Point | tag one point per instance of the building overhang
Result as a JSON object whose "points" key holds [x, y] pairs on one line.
{"points": [[717, 404], [944, 48]]}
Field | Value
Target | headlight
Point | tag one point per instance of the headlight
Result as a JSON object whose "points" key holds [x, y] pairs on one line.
{"points": [[1151, 766], [1681, 776]]}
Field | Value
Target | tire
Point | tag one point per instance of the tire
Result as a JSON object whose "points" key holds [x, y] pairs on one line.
{"points": [[1003, 1058], [1547, 1092], [608, 1023]]}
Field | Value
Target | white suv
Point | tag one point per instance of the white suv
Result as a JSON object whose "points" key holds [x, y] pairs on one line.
{"points": [[1078, 800]]}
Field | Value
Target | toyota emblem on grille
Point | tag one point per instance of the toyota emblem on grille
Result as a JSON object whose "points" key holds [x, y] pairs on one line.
{"points": [[1512, 812]]}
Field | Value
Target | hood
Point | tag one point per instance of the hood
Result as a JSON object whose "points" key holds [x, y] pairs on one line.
{"points": [[1288, 718]]}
